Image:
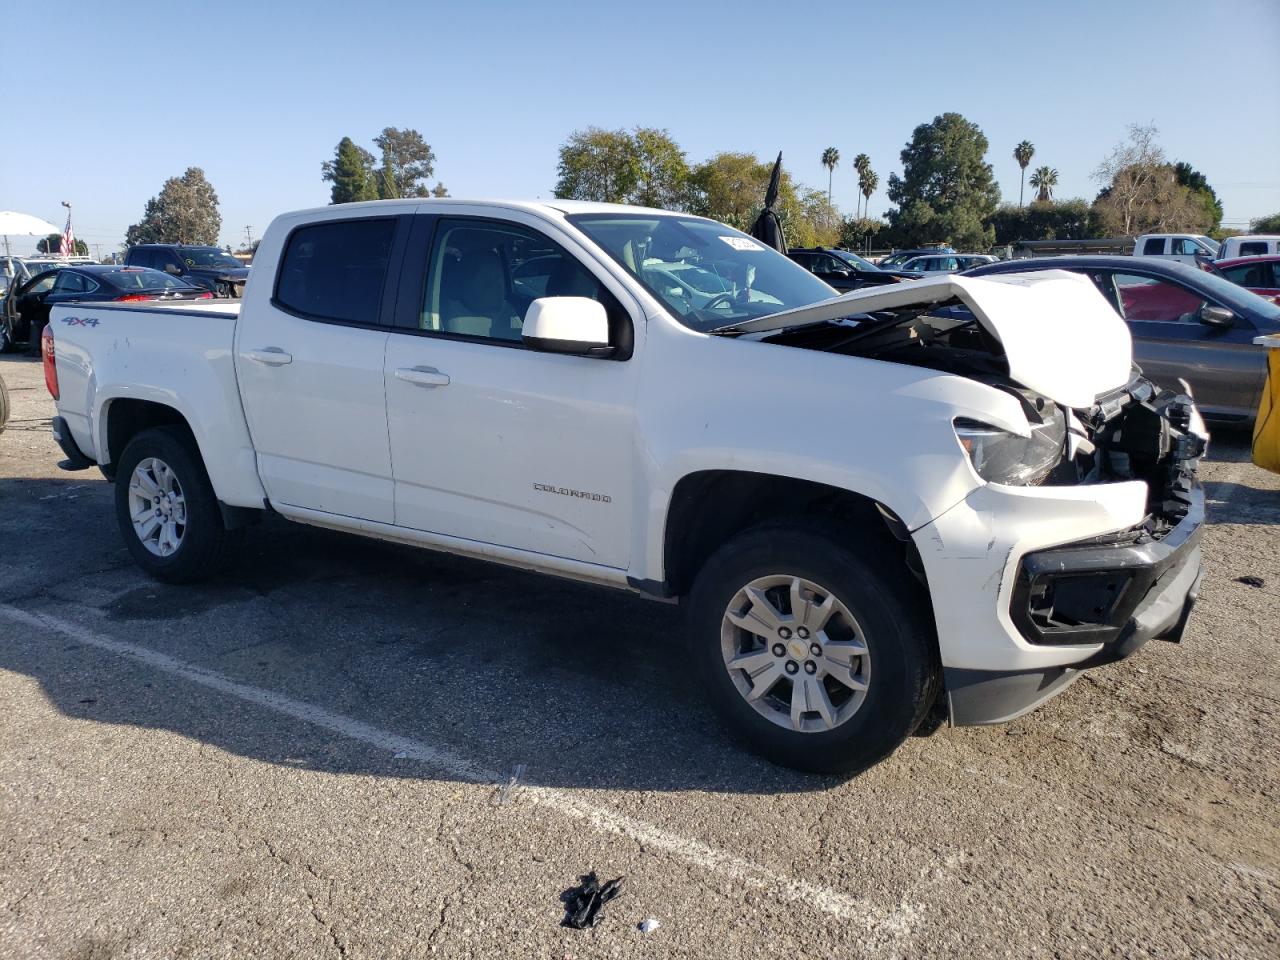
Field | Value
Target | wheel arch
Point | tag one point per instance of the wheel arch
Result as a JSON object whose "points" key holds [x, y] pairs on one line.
{"points": [[708, 507]]}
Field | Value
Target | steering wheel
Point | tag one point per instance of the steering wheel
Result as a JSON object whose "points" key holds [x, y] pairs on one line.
{"points": [[715, 301]]}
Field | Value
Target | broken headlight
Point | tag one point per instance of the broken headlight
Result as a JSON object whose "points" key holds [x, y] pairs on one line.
{"points": [[1002, 457]]}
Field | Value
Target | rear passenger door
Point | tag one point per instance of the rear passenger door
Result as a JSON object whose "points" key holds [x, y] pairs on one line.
{"points": [[493, 441], [309, 358]]}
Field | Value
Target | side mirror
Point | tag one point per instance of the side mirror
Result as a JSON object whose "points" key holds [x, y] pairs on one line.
{"points": [[841, 272], [1216, 316], [173, 268], [575, 325]]}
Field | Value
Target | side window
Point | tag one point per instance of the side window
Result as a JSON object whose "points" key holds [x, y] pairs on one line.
{"points": [[336, 270], [43, 285], [484, 275], [830, 265], [1249, 274], [167, 260], [805, 260], [1154, 247], [1149, 299], [1186, 247], [68, 282], [1253, 249]]}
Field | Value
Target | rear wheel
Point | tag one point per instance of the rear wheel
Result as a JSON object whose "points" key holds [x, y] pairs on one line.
{"points": [[813, 656], [166, 508]]}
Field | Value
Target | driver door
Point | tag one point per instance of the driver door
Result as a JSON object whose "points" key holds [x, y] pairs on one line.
{"points": [[1170, 342]]}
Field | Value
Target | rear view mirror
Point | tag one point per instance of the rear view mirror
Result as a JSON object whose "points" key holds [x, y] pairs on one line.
{"points": [[1216, 316], [576, 325]]}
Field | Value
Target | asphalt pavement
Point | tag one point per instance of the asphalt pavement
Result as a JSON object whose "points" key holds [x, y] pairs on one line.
{"points": [[313, 756]]}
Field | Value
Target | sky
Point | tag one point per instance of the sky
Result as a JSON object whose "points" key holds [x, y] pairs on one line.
{"points": [[122, 96]]}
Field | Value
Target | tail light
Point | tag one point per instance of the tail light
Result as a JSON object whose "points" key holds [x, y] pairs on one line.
{"points": [[132, 297], [203, 296], [50, 367]]}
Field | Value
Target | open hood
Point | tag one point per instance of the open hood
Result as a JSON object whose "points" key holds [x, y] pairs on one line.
{"points": [[1060, 336]]}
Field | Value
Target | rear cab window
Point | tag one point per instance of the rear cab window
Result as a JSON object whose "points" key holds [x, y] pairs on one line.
{"points": [[1153, 247], [335, 271]]}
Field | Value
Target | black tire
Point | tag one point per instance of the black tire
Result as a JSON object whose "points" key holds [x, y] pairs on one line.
{"points": [[888, 604], [205, 543]]}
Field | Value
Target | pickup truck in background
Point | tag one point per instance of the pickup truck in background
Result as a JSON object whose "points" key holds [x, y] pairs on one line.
{"points": [[876, 514], [210, 267]]}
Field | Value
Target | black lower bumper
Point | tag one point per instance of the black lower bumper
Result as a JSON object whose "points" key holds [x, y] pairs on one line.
{"points": [[76, 460], [1119, 595]]}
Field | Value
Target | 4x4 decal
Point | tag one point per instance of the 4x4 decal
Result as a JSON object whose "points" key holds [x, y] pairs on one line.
{"points": [[80, 321]]}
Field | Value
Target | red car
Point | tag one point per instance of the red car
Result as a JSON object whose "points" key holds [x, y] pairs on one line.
{"points": [[1258, 274]]}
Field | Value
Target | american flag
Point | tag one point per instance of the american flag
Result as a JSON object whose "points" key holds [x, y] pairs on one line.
{"points": [[68, 237]]}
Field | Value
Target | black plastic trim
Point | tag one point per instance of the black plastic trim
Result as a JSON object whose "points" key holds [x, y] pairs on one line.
{"points": [[76, 460], [1145, 564]]}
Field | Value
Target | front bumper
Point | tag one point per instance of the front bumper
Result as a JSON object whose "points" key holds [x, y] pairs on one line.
{"points": [[1135, 592], [992, 561]]}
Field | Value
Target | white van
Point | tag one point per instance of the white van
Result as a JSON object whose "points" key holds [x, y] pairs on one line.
{"points": [[1187, 247], [1249, 245]]}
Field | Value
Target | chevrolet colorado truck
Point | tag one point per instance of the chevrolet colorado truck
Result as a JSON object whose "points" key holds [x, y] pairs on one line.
{"points": [[937, 499]]}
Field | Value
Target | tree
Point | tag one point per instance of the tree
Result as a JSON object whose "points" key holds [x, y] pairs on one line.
{"points": [[867, 184], [53, 244], [730, 187], [830, 157], [407, 163], [597, 164], [1044, 180], [856, 232], [1141, 193], [861, 163], [1268, 224], [1195, 181], [946, 191], [184, 211], [663, 172], [351, 172], [644, 167], [1050, 220], [439, 190], [1023, 153]]}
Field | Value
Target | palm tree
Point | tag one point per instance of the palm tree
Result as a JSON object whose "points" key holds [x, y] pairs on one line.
{"points": [[1023, 153], [830, 157], [868, 183], [1044, 180], [861, 163]]}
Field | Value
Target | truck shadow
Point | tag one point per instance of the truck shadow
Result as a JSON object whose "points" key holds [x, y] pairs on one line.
{"points": [[587, 687]]}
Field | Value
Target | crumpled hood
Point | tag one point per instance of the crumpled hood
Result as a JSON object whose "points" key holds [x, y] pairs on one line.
{"points": [[1060, 336]]}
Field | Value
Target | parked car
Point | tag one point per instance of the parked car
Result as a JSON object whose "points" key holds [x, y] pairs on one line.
{"points": [[846, 271], [27, 306], [999, 504], [1186, 324], [948, 263], [896, 259], [210, 267], [1249, 245], [1260, 275], [1189, 248]]}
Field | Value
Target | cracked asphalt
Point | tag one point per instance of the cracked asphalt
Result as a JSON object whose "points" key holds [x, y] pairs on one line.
{"points": [[303, 759]]}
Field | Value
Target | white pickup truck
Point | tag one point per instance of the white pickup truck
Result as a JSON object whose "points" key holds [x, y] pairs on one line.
{"points": [[936, 499]]}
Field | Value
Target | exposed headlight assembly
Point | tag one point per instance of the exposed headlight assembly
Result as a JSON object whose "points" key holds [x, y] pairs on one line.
{"points": [[1002, 457]]}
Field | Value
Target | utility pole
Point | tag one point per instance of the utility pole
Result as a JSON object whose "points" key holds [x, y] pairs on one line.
{"points": [[97, 252], [248, 237]]}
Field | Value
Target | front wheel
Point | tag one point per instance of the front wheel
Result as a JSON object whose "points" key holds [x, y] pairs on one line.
{"points": [[819, 660], [166, 508]]}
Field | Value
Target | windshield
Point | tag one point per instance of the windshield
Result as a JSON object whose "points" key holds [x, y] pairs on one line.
{"points": [[143, 278], [708, 275], [856, 261], [206, 257]]}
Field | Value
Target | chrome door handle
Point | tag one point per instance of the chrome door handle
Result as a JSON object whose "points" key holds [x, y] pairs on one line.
{"points": [[423, 376], [271, 356]]}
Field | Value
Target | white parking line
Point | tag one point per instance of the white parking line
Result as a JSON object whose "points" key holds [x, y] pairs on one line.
{"points": [[825, 899]]}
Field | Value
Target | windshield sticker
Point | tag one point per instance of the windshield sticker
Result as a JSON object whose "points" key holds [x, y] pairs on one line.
{"points": [[742, 243]]}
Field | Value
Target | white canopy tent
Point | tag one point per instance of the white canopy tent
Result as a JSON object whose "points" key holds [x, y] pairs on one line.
{"points": [[13, 224]]}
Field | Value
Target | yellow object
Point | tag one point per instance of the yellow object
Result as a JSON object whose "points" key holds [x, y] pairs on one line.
{"points": [[1266, 429]]}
